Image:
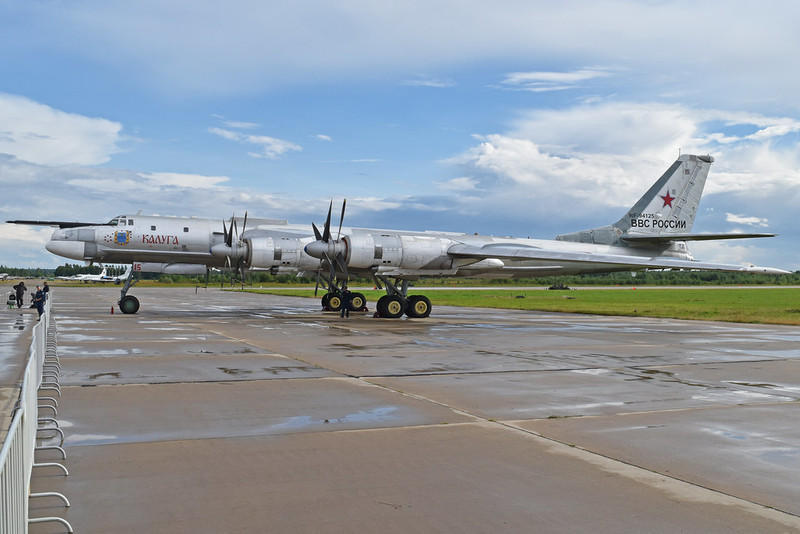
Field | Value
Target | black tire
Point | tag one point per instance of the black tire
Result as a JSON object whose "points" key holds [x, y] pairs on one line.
{"points": [[335, 301], [129, 304], [419, 306], [325, 298], [391, 306], [358, 302]]}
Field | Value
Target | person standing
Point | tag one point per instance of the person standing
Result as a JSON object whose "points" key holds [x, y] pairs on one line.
{"points": [[38, 301], [20, 289], [347, 299]]}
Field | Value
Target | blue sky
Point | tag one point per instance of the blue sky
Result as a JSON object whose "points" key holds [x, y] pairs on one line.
{"points": [[524, 118]]}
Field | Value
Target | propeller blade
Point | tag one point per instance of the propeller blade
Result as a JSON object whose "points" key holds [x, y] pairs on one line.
{"points": [[317, 235], [326, 233], [343, 265], [225, 233], [316, 287], [244, 223], [341, 220], [229, 235]]}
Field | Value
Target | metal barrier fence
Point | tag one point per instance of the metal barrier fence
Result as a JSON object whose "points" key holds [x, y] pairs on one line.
{"points": [[17, 455]]}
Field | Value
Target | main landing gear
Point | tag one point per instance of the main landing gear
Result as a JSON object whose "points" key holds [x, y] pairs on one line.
{"points": [[128, 303], [397, 302], [333, 301]]}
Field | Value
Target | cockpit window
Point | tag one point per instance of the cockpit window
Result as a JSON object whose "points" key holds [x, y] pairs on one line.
{"points": [[130, 222], [114, 221]]}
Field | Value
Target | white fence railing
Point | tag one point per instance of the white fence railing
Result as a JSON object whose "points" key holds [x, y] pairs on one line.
{"points": [[17, 454]]}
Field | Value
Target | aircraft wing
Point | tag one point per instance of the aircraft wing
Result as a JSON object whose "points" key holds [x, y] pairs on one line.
{"points": [[60, 224], [523, 253], [660, 239]]}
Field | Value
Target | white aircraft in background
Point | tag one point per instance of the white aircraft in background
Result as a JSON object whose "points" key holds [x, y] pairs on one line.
{"points": [[652, 234], [102, 277]]}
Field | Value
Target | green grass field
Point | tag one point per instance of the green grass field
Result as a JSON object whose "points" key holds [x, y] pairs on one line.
{"points": [[737, 304]]}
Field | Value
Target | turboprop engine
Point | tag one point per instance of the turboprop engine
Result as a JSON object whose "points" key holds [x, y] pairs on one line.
{"points": [[414, 252], [269, 253], [261, 252]]}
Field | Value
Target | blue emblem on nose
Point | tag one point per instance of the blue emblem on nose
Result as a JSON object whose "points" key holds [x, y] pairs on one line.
{"points": [[122, 237]]}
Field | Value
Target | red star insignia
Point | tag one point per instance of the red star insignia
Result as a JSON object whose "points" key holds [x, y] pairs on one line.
{"points": [[667, 200]]}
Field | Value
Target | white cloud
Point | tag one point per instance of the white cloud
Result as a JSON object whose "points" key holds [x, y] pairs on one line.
{"points": [[459, 184], [318, 40], [271, 147], [185, 180], [323, 137], [539, 82], [607, 153], [428, 81], [38, 133], [240, 125], [743, 219]]}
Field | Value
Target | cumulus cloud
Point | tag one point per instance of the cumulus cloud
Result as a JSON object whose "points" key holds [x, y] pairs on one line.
{"points": [[37, 133], [606, 153], [270, 147]]}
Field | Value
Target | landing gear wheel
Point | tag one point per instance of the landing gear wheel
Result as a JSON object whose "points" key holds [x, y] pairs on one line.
{"points": [[391, 306], [325, 298], [358, 302], [419, 306], [129, 304], [335, 302]]}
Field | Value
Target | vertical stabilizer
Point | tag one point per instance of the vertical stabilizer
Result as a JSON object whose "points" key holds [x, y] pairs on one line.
{"points": [[670, 205], [667, 208]]}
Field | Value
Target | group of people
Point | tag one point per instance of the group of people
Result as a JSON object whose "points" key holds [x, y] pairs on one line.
{"points": [[38, 297]]}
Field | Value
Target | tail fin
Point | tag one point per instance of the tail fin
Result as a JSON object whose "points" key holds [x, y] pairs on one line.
{"points": [[667, 209]]}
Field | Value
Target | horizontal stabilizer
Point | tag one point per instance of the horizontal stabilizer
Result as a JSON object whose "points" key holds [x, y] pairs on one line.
{"points": [[661, 239]]}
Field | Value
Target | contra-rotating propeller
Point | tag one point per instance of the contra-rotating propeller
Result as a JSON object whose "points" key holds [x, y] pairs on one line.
{"points": [[327, 249], [233, 248]]}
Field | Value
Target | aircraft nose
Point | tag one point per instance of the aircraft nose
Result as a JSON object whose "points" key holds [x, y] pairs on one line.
{"points": [[68, 249]]}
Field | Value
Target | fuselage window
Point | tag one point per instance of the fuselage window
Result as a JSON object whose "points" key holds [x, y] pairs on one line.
{"points": [[130, 222], [153, 228], [185, 228]]}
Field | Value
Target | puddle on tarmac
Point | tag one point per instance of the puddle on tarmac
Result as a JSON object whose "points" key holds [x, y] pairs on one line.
{"points": [[377, 415], [89, 439], [102, 375], [783, 456]]}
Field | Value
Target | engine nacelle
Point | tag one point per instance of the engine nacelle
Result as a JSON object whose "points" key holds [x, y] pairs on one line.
{"points": [[365, 251], [269, 253]]}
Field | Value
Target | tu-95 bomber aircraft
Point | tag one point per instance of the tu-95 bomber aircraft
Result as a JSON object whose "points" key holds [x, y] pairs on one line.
{"points": [[652, 234]]}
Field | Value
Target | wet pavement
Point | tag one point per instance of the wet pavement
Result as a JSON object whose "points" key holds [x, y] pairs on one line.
{"points": [[212, 411], [15, 343]]}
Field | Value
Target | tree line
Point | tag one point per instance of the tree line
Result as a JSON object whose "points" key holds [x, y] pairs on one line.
{"points": [[626, 278]]}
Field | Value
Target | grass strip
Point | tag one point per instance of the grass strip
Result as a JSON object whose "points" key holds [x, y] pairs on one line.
{"points": [[776, 305]]}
